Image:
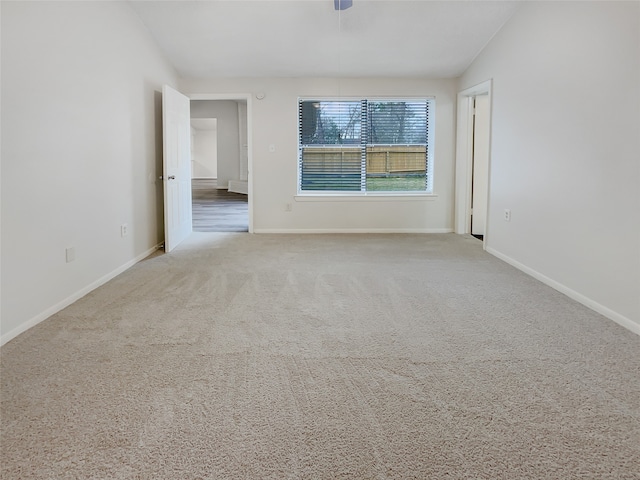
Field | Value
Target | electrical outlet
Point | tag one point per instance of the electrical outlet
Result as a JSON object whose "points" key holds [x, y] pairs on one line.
{"points": [[124, 230], [288, 207], [507, 215], [70, 254]]}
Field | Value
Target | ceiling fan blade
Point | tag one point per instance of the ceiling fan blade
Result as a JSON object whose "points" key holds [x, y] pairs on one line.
{"points": [[342, 4]]}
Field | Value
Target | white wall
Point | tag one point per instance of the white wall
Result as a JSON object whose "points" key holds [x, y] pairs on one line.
{"points": [[226, 113], [205, 151], [81, 151], [274, 123], [566, 149]]}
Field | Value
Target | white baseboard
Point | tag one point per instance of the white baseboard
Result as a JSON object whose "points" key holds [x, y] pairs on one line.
{"points": [[578, 297], [352, 230], [73, 298]]}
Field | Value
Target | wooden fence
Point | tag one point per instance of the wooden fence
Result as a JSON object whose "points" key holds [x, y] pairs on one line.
{"points": [[381, 160], [396, 159]]}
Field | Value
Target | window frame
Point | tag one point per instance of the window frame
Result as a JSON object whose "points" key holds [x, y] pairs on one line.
{"points": [[364, 145]]}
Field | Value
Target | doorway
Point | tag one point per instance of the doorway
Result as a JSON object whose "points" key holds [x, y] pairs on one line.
{"points": [[473, 146], [480, 166], [220, 192]]}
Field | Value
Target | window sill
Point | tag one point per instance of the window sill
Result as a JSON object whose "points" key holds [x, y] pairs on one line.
{"points": [[368, 197]]}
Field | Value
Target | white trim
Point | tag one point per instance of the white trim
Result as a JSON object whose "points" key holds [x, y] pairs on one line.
{"points": [[353, 230], [219, 96], [409, 197], [248, 97], [359, 98], [464, 155], [578, 297], [23, 327]]}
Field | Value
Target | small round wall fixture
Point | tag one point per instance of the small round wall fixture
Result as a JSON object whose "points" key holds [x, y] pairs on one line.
{"points": [[260, 95]]}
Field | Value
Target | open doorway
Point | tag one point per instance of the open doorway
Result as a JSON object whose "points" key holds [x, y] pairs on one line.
{"points": [[480, 166], [473, 146], [220, 165]]}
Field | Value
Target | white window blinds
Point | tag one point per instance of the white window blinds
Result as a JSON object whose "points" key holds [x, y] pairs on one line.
{"points": [[364, 145]]}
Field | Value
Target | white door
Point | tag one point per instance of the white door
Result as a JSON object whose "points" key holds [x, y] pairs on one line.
{"points": [[176, 163], [480, 185]]}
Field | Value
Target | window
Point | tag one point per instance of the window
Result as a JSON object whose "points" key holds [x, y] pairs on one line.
{"points": [[364, 145]]}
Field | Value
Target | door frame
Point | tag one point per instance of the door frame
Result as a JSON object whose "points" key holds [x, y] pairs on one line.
{"points": [[464, 158], [248, 98]]}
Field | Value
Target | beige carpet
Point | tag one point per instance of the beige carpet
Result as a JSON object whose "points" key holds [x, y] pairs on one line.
{"points": [[321, 357]]}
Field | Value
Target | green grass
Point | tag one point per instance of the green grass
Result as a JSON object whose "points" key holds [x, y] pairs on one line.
{"points": [[396, 184]]}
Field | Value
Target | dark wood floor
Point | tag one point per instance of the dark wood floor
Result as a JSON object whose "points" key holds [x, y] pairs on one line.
{"points": [[218, 210]]}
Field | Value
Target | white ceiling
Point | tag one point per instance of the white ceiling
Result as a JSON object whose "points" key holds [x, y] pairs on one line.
{"points": [[308, 38]]}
